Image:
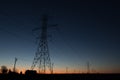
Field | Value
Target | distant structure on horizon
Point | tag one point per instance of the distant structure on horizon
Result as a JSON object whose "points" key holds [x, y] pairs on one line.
{"points": [[14, 69], [88, 67]]}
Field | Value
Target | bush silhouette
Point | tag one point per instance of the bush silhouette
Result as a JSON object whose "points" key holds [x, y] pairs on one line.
{"points": [[4, 69]]}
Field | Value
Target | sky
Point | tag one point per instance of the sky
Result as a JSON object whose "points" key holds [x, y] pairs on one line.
{"points": [[87, 31]]}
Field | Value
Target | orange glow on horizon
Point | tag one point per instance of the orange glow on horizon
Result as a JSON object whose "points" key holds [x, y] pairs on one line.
{"points": [[60, 71], [63, 71]]}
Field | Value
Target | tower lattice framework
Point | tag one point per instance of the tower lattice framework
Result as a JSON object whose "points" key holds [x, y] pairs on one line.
{"points": [[42, 57]]}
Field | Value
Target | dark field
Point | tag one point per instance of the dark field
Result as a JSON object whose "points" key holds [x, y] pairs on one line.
{"points": [[60, 77]]}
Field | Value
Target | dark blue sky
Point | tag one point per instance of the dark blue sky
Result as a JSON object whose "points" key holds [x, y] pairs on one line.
{"points": [[89, 31]]}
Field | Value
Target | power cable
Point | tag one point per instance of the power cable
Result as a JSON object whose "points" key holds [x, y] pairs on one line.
{"points": [[14, 34]]}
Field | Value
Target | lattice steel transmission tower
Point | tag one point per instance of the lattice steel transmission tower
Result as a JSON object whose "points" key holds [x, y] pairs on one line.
{"points": [[42, 57]]}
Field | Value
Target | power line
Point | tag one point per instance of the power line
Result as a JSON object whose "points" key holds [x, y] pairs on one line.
{"points": [[15, 35], [65, 41]]}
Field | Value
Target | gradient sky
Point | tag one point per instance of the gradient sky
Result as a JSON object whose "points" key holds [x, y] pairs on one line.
{"points": [[88, 31]]}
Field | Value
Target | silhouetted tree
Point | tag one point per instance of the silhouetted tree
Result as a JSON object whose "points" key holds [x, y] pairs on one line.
{"points": [[9, 71], [21, 72], [4, 69]]}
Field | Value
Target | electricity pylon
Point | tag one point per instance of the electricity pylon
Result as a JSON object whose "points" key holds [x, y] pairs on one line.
{"points": [[88, 67], [14, 69], [42, 56]]}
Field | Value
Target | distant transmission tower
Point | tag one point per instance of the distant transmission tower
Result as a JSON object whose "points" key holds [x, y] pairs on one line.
{"points": [[14, 69], [42, 55], [88, 67]]}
